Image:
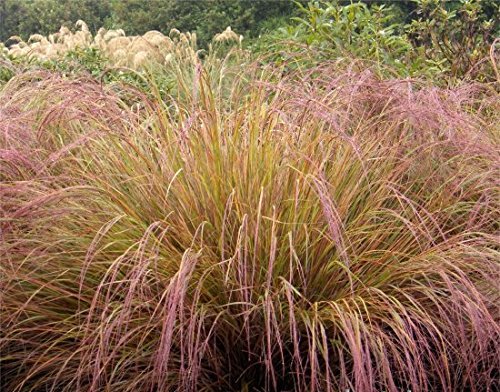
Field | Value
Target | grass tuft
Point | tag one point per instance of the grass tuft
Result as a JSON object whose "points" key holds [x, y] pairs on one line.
{"points": [[318, 231]]}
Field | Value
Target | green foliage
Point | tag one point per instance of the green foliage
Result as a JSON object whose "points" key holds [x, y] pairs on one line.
{"points": [[330, 30], [6, 71], [354, 29], [436, 39], [80, 60], [27, 17], [456, 39], [206, 18]]}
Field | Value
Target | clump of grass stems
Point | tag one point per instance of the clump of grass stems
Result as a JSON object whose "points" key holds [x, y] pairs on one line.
{"points": [[319, 231]]}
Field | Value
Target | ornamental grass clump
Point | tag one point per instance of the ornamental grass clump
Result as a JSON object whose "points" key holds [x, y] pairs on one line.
{"points": [[152, 49], [317, 232]]}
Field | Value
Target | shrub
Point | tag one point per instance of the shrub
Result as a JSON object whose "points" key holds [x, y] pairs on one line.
{"points": [[444, 41], [355, 29], [456, 40]]}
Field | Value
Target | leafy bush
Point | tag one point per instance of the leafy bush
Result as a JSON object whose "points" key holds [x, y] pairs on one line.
{"points": [[320, 231], [456, 40], [438, 41], [354, 29]]}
